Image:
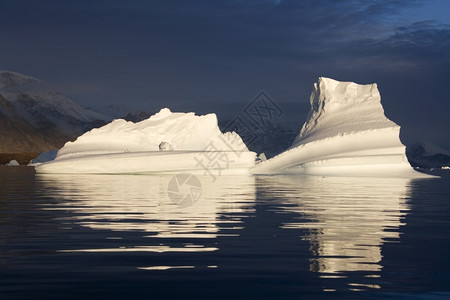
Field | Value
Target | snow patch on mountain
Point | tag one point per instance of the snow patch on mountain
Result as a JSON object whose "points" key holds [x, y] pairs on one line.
{"points": [[10, 79], [35, 117], [34, 101]]}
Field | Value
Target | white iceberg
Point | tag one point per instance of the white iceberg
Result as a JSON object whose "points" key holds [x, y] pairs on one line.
{"points": [[346, 134], [12, 163], [127, 147]]}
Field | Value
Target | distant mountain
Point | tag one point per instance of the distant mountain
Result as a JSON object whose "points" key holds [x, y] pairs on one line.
{"points": [[35, 118], [116, 111], [426, 155], [137, 117], [271, 138]]}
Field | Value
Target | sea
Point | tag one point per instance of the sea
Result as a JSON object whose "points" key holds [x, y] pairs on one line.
{"points": [[187, 236]]}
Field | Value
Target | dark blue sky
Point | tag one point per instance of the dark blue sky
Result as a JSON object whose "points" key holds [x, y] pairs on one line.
{"points": [[216, 55]]}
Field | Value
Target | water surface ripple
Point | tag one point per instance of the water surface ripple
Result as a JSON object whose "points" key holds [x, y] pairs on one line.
{"points": [[125, 236]]}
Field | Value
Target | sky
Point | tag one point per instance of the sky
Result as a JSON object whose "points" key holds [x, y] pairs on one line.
{"points": [[217, 55]]}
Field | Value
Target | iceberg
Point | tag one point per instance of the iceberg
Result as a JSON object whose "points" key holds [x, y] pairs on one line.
{"points": [[346, 134], [12, 163], [195, 144]]}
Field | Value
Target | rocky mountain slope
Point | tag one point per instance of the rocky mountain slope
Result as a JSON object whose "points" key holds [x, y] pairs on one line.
{"points": [[426, 155], [35, 118]]}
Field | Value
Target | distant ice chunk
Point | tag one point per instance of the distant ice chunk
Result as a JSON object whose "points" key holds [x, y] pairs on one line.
{"points": [[12, 163], [261, 157], [346, 133]]}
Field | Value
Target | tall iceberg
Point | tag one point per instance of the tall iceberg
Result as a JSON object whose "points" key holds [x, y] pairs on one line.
{"points": [[346, 133]]}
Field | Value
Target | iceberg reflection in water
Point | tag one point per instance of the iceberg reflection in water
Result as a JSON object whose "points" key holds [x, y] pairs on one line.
{"points": [[124, 203], [327, 230], [347, 220]]}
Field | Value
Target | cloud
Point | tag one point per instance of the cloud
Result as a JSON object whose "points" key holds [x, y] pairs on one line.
{"points": [[213, 52]]}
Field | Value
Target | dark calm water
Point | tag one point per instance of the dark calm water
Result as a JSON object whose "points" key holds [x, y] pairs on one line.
{"points": [[123, 236]]}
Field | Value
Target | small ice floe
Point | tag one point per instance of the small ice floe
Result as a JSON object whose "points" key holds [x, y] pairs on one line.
{"points": [[12, 163]]}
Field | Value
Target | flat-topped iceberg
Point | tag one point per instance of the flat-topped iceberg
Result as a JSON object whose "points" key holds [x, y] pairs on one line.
{"points": [[165, 142], [346, 133]]}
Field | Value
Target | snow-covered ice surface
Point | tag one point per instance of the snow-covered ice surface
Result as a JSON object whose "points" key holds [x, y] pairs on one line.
{"points": [[346, 134], [127, 147]]}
